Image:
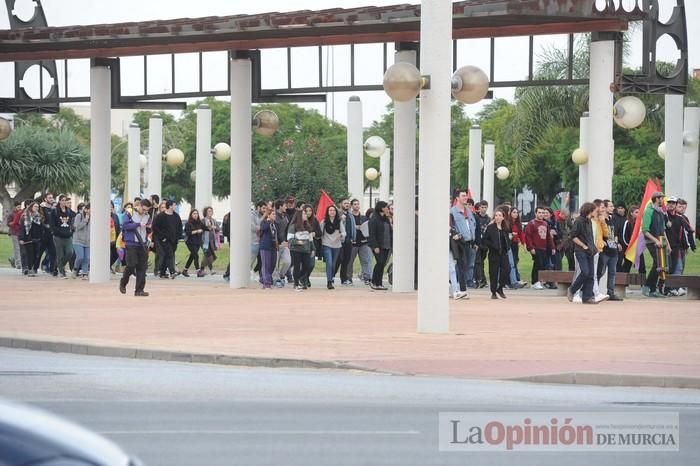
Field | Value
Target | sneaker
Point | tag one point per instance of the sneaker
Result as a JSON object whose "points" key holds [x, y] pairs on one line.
{"points": [[614, 297], [673, 292], [368, 283], [601, 297], [538, 286], [522, 284], [645, 291], [141, 293], [682, 291], [122, 289], [63, 276], [74, 274], [656, 294], [347, 283], [591, 301], [460, 295], [577, 299], [12, 262], [383, 288], [185, 273], [501, 294], [299, 288], [569, 295], [330, 286], [164, 277]]}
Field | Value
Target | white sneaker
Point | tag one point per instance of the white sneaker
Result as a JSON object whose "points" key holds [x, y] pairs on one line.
{"points": [[460, 295], [601, 297], [673, 293], [682, 292], [578, 299], [538, 286]]}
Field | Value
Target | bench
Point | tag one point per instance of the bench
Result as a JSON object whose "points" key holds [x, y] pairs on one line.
{"points": [[691, 282], [564, 279]]}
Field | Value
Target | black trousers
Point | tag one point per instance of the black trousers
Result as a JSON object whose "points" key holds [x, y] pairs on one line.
{"points": [[136, 263], [539, 263], [653, 277], [194, 256], [479, 274], [166, 257], [380, 262], [499, 271], [344, 262], [30, 256], [300, 262], [47, 246]]}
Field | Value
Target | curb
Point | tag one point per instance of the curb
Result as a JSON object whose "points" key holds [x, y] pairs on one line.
{"points": [[569, 378], [173, 356], [613, 380]]}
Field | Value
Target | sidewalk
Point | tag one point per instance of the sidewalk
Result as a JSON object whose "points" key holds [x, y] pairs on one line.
{"points": [[529, 335]]}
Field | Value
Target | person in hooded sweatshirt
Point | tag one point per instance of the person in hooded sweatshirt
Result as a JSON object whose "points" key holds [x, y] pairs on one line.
{"points": [[81, 242], [380, 239], [167, 228], [62, 229], [194, 228]]}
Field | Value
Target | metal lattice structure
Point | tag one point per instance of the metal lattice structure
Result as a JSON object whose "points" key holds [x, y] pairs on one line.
{"points": [[34, 43]]}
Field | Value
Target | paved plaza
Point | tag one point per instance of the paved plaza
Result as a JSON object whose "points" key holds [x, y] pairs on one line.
{"points": [[529, 334]]}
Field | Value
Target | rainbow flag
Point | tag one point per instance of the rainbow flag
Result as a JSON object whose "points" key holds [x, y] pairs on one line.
{"points": [[637, 243]]}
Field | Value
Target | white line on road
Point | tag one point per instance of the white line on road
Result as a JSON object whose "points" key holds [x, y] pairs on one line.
{"points": [[259, 432]]}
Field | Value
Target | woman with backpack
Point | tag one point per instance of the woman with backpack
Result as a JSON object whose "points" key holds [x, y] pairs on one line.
{"points": [[194, 229]]}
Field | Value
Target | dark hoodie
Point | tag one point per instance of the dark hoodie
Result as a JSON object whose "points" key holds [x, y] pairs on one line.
{"points": [[62, 223]]}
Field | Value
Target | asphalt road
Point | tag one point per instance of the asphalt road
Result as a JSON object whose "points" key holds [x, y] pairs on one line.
{"points": [[173, 414]]}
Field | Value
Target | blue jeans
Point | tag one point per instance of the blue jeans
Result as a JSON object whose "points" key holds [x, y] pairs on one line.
{"points": [[584, 280], [454, 283], [331, 257], [609, 263], [82, 258], [513, 268], [465, 266]]}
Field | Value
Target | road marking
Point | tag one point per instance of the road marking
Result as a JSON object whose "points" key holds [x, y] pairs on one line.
{"points": [[259, 432]]}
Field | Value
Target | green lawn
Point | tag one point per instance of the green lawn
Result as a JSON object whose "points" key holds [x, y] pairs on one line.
{"points": [[525, 266]]}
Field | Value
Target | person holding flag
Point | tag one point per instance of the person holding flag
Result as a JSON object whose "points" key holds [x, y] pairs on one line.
{"points": [[654, 231]]}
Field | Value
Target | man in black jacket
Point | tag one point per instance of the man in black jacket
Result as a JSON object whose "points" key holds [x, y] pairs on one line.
{"points": [[62, 229], [482, 221], [167, 230], [619, 218]]}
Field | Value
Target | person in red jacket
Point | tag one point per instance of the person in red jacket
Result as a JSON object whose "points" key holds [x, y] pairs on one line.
{"points": [[14, 222], [540, 244]]}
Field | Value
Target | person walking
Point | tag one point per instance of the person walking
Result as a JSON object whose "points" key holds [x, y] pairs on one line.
{"points": [[167, 228], [284, 258], [268, 247], [210, 241], [497, 241], [465, 224], [332, 241], [359, 244], [654, 231], [47, 247], [317, 250], [607, 262], [134, 236], [62, 229], [194, 229], [380, 238], [14, 224], [584, 250], [627, 230], [300, 235], [482, 222], [517, 239], [30, 236], [346, 247], [81, 243]]}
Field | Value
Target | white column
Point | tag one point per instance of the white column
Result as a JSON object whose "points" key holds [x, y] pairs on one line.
{"points": [[690, 163], [203, 170], [434, 166], [241, 166], [100, 171], [583, 143], [155, 151], [133, 180], [600, 155], [673, 182], [404, 187], [489, 173], [385, 175], [356, 177], [475, 162]]}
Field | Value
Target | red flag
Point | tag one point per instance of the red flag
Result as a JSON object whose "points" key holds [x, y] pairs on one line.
{"points": [[323, 204]]}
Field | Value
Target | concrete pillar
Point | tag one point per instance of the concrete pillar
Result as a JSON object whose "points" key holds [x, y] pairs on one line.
{"points": [[583, 138], [241, 167], [475, 162], [100, 171], [133, 179], [356, 176], [434, 166], [385, 175], [489, 174], [600, 155], [404, 187], [690, 163], [673, 134], [203, 181], [155, 155]]}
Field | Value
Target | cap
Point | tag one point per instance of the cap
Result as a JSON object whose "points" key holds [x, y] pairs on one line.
{"points": [[672, 199], [657, 194]]}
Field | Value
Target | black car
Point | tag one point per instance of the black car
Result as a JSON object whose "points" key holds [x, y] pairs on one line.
{"points": [[29, 436]]}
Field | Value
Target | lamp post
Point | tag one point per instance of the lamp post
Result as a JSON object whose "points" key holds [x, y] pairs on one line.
{"points": [[371, 174]]}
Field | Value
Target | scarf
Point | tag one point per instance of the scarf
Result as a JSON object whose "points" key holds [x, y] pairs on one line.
{"points": [[331, 227], [30, 218]]}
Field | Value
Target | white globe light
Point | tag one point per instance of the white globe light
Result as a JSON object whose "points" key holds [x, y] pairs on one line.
{"points": [[629, 112], [174, 157], [690, 142], [579, 156], [266, 123], [222, 151], [502, 173], [193, 175], [143, 161], [662, 150], [375, 146], [5, 128], [402, 81], [371, 174], [470, 84]]}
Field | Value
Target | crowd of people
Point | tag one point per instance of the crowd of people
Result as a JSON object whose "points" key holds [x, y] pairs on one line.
{"points": [[288, 237]]}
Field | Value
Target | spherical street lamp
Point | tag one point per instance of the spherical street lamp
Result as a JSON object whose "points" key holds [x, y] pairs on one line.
{"points": [[143, 161], [5, 128], [629, 112], [375, 146], [266, 122], [222, 151], [371, 174], [174, 157], [402, 81], [662, 150], [690, 142], [502, 173], [469, 84], [579, 157], [193, 175]]}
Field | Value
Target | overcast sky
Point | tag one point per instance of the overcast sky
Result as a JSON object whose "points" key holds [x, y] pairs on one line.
{"points": [[511, 53]]}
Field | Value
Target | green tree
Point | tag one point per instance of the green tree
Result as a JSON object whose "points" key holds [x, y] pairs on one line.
{"points": [[39, 158]]}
